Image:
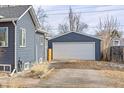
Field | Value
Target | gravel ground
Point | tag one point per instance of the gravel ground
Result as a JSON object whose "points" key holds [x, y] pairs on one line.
{"points": [[83, 75], [87, 74], [76, 78]]}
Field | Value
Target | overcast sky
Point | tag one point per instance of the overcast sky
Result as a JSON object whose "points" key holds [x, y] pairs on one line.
{"points": [[92, 19]]}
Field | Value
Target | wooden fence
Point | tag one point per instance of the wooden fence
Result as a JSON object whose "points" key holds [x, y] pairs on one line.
{"points": [[117, 53]]}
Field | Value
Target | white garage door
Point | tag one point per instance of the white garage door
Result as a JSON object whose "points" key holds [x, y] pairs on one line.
{"points": [[74, 50]]}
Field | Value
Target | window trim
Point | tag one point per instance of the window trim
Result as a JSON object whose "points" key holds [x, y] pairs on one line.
{"points": [[114, 42], [26, 65], [7, 37], [22, 35], [4, 67]]}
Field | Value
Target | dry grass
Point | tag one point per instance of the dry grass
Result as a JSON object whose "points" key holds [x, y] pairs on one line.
{"points": [[40, 68], [16, 83], [19, 82], [37, 70], [84, 65], [28, 78], [4, 74], [118, 75]]}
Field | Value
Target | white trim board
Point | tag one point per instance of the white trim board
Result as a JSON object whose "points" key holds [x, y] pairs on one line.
{"points": [[24, 13], [15, 61]]}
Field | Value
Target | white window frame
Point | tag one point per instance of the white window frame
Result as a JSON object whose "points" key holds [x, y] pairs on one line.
{"points": [[23, 31], [26, 66], [6, 36], [4, 67], [114, 42]]}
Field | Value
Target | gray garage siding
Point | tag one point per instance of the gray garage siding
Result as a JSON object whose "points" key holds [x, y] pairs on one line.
{"points": [[75, 37], [7, 53]]}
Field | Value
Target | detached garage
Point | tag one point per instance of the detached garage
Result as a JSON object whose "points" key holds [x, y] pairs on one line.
{"points": [[74, 45]]}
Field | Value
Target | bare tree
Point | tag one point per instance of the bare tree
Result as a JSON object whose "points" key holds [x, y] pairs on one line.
{"points": [[41, 15], [107, 30], [74, 23], [63, 28]]}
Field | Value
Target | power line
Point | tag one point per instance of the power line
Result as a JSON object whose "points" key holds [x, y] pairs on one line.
{"points": [[89, 11], [89, 27], [77, 8]]}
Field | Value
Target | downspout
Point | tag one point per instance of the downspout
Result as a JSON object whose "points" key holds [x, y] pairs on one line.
{"points": [[36, 53], [45, 48], [15, 45], [44, 55]]}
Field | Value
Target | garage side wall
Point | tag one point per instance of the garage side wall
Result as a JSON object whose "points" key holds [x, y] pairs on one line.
{"points": [[75, 37]]}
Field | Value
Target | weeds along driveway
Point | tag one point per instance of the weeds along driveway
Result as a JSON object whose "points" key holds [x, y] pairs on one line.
{"points": [[76, 76]]}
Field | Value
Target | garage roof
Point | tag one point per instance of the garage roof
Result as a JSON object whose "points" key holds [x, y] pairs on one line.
{"points": [[76, 33]]}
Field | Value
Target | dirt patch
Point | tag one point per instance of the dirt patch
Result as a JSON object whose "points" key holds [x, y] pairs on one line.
{"points": [[83, 78], [30, 78], [117, 77], [75, 78], [96, 65], [19, 82], [114, 74], [4, 74]]}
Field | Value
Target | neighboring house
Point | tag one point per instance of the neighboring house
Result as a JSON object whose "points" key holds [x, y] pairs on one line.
{"points": [[117, 41], [117, 49], [21, 41], [74, 45]]}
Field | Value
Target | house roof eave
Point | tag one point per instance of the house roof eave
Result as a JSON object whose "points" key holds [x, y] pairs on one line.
{"points": [[8, 19]]}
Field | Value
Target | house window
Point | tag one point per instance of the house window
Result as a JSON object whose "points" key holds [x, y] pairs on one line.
{"points": [[3, 36], [23, 38], [116, 43]]}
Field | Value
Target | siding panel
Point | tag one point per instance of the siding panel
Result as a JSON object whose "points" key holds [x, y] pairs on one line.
{"points": [[7, 53], [28, 53], [40, 47]]}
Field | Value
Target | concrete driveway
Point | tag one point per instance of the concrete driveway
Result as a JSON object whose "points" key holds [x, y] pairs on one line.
{"points": [[75, 78]]}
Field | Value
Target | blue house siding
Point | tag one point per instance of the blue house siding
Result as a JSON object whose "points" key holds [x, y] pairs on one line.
{"points": [[7, 53], [75, 37], [33, 48], [29, 22], [40, 47], [26, 54]]}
